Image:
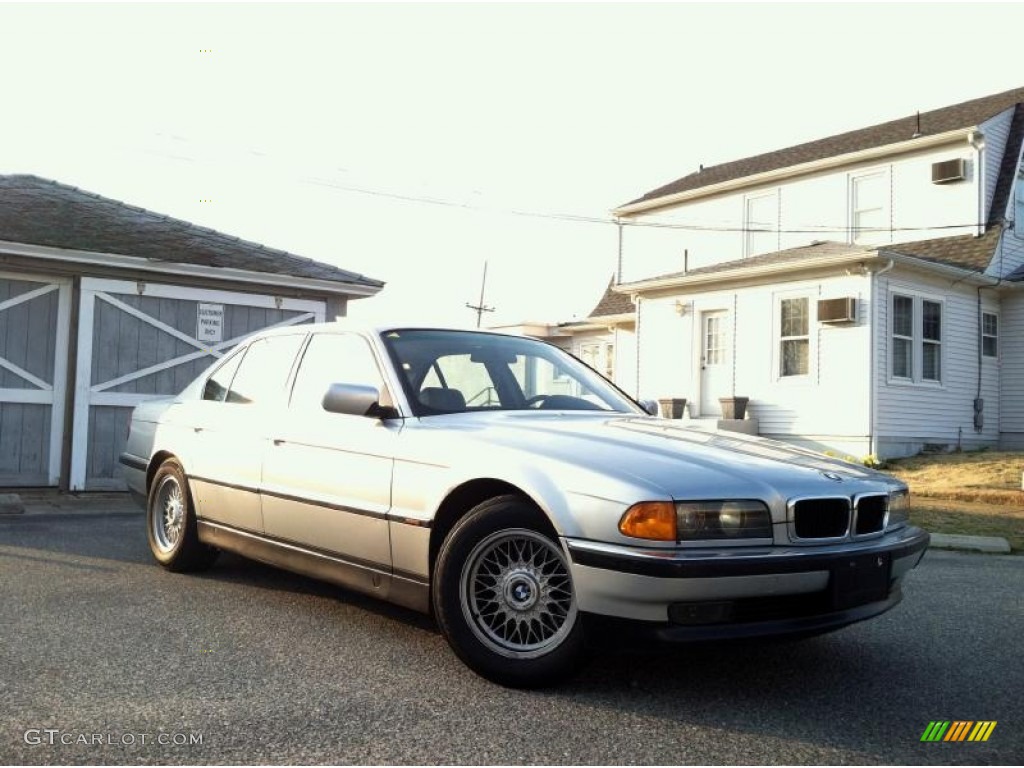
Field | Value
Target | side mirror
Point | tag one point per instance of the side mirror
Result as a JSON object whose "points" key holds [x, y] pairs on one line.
{"points": [[650, 407], [356, 400]]}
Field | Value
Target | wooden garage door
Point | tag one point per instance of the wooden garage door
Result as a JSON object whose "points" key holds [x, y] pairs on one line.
{"points": [[138, 341], [33, 367]]}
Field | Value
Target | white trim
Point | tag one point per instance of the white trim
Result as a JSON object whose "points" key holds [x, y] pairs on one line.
{"points": [[83, 375], [60, 379], [917, 296], [27, 396], [164, 291], [810, 294], [214, 351], [749, 231], [21, 372], [87, 395], [150, 320], [780, 174], [125, 399], [181, 269], [29, 295]]}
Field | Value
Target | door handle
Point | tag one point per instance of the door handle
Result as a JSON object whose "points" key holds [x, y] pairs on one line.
{"points": [[279, 441], [197, 429]]}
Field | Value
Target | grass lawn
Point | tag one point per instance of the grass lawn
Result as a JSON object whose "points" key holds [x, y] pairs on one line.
{"points": [[977, 494]]}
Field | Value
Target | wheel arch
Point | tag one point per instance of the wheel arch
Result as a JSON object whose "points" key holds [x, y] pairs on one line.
{"points": [[464, 497], [154, 464]]}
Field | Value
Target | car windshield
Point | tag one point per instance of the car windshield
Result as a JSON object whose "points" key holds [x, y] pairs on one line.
{"points": [[458, 371]]}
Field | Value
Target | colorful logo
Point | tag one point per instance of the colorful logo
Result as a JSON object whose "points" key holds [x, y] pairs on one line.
{"points": [[958, 730]]}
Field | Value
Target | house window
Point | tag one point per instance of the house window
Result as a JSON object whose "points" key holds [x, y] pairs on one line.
{"points": [[903, 337], [760, 224], [869, 213], [609, 362], [794, 337], [931, 341], [916, 334], [989, 334], [591, 355]]}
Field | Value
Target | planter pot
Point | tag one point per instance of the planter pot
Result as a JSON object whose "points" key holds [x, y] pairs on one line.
{"points": [[672, 407], [734, 407]]}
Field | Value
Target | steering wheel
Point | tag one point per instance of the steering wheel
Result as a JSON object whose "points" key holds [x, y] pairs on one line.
{"points": [[537, 401]]}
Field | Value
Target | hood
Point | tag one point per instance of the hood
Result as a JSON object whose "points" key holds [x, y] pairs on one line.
{"points": [[666, 456]]}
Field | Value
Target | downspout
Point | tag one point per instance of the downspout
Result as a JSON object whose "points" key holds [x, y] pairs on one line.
{"points": [[977, 140], [872, 360], [618, 271]]}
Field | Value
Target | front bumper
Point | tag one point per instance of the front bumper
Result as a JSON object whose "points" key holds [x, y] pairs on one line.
{"points": [[745, 591]]}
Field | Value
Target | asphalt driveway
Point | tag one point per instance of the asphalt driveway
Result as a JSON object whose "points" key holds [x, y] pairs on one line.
{"points": [[106, 658]]}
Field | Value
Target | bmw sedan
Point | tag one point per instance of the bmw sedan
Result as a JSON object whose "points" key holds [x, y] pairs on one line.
{"points": [[505, 487]]}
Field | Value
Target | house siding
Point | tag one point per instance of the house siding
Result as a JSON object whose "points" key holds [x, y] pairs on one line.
{"points": [[1011, 360], [827, 410], [996, 131], [911, 417], [811, 208]]}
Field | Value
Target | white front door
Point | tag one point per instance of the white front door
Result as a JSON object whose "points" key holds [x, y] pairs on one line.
{"points": [[715, 361]]}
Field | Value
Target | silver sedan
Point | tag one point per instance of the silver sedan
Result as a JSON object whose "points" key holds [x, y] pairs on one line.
{"points": [[507, 488]]}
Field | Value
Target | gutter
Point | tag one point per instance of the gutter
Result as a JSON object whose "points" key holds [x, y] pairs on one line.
{"points": [[779, 174], [681, 280], [95, 258]]}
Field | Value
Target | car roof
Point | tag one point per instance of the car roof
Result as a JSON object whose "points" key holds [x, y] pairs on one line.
{"points": [[373, 329]]}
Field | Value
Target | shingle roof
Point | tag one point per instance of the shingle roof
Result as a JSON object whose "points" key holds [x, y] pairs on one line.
{"points": [[790, 255], [612, 303], [964, 115], [962, 251], [39, 211]]}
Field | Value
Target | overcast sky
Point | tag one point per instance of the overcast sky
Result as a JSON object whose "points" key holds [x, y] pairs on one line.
{"points": [[324, 129]]}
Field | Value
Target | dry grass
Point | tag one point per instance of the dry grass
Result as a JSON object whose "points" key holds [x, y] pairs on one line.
{"points": [[977, 494], [990, 477]]}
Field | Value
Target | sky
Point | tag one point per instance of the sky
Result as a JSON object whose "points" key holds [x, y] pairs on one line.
{"points": [[413, 142]]}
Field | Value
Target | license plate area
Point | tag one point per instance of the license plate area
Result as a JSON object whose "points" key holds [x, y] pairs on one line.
{"points": [[861, 579]]}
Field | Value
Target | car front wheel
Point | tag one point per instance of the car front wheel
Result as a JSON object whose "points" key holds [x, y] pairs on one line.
{"points": [[171, 522], [504, 598]]}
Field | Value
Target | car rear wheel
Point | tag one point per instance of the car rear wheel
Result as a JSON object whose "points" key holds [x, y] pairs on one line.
{"points": [[504, 598], [171, 522]]}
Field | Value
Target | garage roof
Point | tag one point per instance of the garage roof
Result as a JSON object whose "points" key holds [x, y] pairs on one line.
{"points": [[37, 211]]}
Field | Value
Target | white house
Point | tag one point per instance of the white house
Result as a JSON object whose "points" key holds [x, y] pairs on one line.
{"points": [[865, 291]]}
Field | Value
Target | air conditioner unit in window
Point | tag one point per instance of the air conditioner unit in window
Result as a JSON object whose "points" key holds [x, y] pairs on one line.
{"points": [[949, 170], [837, 310]]}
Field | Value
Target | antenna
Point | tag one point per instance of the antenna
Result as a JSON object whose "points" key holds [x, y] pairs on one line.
{"points": [[480, 307]]}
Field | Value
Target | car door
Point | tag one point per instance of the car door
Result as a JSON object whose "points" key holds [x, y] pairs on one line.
{"points": [[327, 476], [231, 430]]}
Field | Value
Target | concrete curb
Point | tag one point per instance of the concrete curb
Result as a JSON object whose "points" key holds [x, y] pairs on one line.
{"points": [[994, 545]]}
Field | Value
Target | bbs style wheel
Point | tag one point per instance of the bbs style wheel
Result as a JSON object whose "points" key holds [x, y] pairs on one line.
{"points": [[504, 598], [171, 522]]}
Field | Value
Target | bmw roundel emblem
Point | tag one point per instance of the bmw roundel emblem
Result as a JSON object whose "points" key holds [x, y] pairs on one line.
{"points": [[832, 476]]}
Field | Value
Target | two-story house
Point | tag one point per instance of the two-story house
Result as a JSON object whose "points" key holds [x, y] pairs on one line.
{"points": [[865, 291]]}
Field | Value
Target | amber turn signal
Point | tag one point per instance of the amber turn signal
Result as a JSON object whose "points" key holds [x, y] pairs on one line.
{"points": [[650, 520]]}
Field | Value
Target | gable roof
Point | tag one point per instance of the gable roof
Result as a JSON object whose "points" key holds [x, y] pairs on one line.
{"points": [[613, 303], [964, 115], [37, 211]]}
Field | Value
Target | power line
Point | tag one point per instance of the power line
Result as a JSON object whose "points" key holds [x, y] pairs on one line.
{"points": [[808, 229]]}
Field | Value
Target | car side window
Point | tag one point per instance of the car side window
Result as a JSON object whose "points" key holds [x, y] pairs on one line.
{"points": [[264, 370], [333, 358], [219, 382]]}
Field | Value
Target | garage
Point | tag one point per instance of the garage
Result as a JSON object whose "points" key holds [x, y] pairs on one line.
{"points": [[104, 305]]}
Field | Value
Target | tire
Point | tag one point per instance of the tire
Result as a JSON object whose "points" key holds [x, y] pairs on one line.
{"points": [[171, 522], [504, 599]]}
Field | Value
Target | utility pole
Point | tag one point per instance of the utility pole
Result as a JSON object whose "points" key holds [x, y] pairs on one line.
{"points": [[480, 307]]}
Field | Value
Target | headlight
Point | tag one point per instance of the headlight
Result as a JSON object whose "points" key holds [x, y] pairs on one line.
{"points": [[703, 520], [899, 509]]}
